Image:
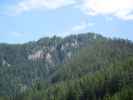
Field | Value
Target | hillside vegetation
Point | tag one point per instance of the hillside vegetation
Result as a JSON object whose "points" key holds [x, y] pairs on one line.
{"points": [[78, 67]]}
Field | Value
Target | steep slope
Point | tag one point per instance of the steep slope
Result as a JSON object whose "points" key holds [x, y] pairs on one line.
{"points": [[95, 57], [24, 65], [102, 71], [78, 67]]}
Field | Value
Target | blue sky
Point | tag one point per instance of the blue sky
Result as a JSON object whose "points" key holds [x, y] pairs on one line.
{"points": [[27, 20]]}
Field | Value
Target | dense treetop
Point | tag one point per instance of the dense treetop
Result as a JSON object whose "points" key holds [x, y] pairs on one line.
{"points": [[78, 67]]}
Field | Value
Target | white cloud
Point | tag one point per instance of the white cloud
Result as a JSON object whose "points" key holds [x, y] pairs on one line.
{"points": [[82, 26], [122, 9], [28, 5]]}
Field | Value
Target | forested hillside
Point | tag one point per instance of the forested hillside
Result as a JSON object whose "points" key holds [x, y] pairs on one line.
{"points": [[78, 67]]}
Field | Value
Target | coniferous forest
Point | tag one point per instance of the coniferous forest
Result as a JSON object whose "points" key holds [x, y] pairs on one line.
{"points": [[78, 67]]}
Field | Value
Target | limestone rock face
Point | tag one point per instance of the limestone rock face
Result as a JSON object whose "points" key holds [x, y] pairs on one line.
{"points": [[37, 55]]}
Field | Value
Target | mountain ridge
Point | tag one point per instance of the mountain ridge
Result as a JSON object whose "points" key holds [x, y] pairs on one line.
{"points": [[46, 53], [51, 64]]}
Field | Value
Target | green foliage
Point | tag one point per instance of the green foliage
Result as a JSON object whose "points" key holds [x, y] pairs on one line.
{"points": [[99, 69], [112, 83]]}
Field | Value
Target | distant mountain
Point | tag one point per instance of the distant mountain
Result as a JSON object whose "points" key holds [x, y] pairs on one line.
{"points": [[78, 67]]}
